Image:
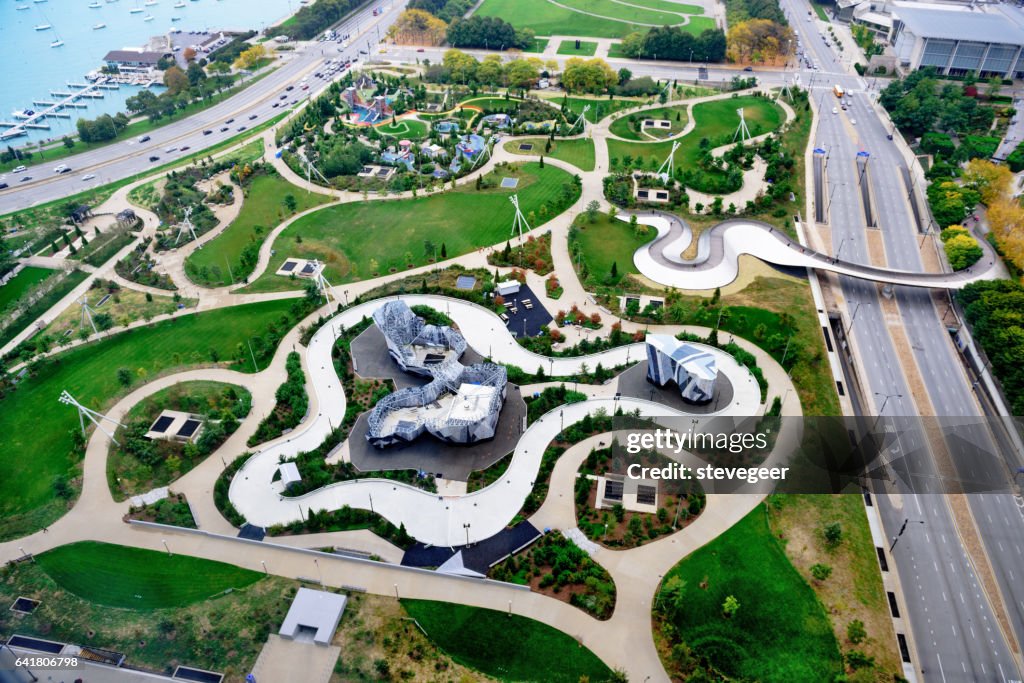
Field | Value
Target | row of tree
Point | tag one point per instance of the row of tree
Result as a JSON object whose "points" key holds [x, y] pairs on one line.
{"points": [[313, 19], [670, 42], [917, 104]]}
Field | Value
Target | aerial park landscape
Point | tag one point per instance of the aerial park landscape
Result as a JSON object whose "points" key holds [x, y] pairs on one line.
{"points": [[360, 368]]}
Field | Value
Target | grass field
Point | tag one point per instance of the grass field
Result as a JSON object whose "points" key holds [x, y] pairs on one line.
{"points": [[780, 631], [568, 47], [406, 128], [538, 45], [599, 108], [854, 590], [358, 239], [576, 17], [624, 128], [578, 152], [606, 241], [58, 289], [716, 120], [119, 576], [511, 648], [18, 285], [34, 458], [262, 210], [820, 11]]}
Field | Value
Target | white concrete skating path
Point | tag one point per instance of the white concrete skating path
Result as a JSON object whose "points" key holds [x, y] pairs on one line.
{"points": [[428, 517]]}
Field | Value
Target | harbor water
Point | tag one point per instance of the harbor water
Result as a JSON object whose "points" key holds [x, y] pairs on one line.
{"points": [[33, 70]]}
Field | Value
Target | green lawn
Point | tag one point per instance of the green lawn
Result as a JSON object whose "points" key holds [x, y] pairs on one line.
{"points": [[599, 108], [780, 632], [624, 128], [406, 128], [262, 210], [538, 45], [119, 576], [568, 47], [509, 648], [716, 120], [33, 458], [62, 286], [578, 152], [577, 17], [16, 287], [820, 11], [357, 239], [606, 241]]}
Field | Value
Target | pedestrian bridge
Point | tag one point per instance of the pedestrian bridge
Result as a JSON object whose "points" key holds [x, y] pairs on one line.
{"points": [[719, 249]]}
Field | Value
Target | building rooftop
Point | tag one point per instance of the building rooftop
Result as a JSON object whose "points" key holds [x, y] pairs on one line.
{"points": [[134, 55], [313, 616], [984, 23]]}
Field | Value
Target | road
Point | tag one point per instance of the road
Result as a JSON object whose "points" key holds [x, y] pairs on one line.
{"points": [[248, 108], [954, 625]]}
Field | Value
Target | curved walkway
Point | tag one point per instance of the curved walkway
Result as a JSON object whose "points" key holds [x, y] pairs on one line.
{"points": [[719, 249], [433, 519]]}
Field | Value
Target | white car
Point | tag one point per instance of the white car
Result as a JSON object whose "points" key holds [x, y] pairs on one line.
{"points": [[834, 110], [88, 176], [853, 122], [18, 169], [170, 149], [63, 168]]}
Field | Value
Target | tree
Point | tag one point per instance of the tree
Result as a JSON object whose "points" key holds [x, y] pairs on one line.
{"points": [[591, 75], [124, 377], [418, 26], [593, 207], [1006, 218], [615, 270], [195, 73], [461, 67], [189, 54], [175, 80], [671, 596], [855, 632], [833, 533], [522, 73], [247, 59], [730, 606], [68, 142], [487, 32], [757, 40], [444, 250], [290, 203], [491, 71], [624, 75], [821, 571], [990, 180]]}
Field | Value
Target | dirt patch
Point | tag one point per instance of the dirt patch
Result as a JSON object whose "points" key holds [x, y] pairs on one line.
{"points": [[377, 629], [876, 248]]}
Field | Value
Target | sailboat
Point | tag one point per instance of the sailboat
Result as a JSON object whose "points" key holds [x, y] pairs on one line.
{"points": [[149, 3], [136, 9], [95, 5], [99, 26], [179, 4], [21, 7], [42, 27], [57, 43]]}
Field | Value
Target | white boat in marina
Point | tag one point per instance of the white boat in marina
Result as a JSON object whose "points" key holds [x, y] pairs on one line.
{"points": [[149, 3], [57, 43], [99, 26], [148, 17], [42, 27], [136, 10], [21, 7], [179, 4], [95, 5]]}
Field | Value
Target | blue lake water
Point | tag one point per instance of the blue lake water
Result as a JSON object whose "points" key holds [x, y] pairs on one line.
{"points": [[32, 69]]}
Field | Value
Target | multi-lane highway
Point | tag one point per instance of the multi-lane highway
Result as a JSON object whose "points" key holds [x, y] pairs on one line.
{"points": [[953, 623], [248, 108]]}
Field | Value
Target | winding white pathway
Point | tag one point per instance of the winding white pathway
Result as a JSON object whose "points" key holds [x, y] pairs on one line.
{"points": [[429, 517]]}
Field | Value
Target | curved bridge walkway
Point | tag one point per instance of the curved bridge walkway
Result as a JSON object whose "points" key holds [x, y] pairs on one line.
{"points": [[719, 249]]}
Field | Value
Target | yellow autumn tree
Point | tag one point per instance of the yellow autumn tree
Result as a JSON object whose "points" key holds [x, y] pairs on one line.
{"points": [[418, 27], [250, 57], [1006, 219], [758, 40], [990, 180]]}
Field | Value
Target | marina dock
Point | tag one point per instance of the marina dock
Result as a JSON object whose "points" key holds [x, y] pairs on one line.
{"points": [[37, 120]]}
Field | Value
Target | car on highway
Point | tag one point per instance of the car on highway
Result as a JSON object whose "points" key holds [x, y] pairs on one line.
{"points": [[207, 132], [253, 117], [170, 149], [144, 138], [748, 68], [290, 87], [420, 49], [4, 186], [223, 129], [241, 128], [154, 158], [275, 105], [63, 168], [88, 176], [25, 179], [284, 97], [853, 122], [836, 111], [185, 148], [19, 169], [230, 121]]}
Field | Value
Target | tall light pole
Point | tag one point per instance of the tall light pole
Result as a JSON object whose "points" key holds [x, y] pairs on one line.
{"points": [[853, 318]]}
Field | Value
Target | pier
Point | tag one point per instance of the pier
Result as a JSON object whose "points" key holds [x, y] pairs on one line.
{"points": [[54, 109]]}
